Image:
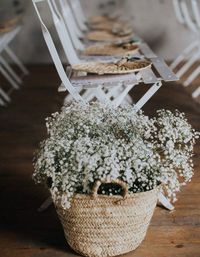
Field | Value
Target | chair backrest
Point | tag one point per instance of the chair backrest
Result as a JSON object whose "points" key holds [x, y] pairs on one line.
{"points": [[78, 14], [178, 11], [55, 56], [195, 9], [187, 13], [188, 16], [6, 38], [66, 8], [74, 31], [63, 33]]}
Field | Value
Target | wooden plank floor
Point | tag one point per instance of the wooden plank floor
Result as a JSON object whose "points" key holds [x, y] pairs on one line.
{"points": [[26, 233]]}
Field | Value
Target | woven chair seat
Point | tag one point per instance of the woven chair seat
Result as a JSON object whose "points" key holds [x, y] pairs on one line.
{"points": [[112, 50], [121, 67], [106, 36], [100, 19]]}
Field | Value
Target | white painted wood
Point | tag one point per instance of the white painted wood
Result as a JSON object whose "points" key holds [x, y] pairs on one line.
{"points": [[165, 202], [192, 77], [196, 93], [178, 11], [55, 57], [99, 87], [16, 60], [5, 68], [148, 76], [74, 31], [79, 14], [10, 70], [9, 78], [145, 98], [2, 102], [188, 13], [163, 69], [187, 52]]}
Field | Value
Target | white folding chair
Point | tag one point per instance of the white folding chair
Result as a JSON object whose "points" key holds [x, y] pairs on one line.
{"points": [[71, 55], [97, 83], [78, 14], [64, 23], [188, 14], [74, 59], [7, 71], [147, 76]]}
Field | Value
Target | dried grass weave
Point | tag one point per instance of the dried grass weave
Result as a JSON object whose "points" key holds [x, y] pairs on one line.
{"points": [[101, 226], [121, 29], [100, 19], [120, 67], [106, 25], [126, 49], [106, 36]]}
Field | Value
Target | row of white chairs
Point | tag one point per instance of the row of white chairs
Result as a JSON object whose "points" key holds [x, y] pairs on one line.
{"points": [[71, 24], [7, 56], [188, 14]]}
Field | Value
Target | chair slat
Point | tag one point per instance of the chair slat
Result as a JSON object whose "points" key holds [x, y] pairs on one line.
{"points": [[95, 80], [148, 77], [146, 51], [163, 69]]}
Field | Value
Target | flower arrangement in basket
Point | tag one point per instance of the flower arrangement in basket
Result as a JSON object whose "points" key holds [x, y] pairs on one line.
{"points": [[104, 167]]}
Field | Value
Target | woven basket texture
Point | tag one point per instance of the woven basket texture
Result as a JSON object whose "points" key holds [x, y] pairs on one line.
{"points": [[111, 67], [111, 50], [106, 25], [121, 29], [98, 19], [10, 25], [107, 225], [106, 36]]}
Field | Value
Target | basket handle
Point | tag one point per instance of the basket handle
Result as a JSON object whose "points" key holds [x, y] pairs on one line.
{"points": [[121, 183]]}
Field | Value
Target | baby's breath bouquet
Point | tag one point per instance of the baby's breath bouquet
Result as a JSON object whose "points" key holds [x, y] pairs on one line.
{"points": [[93, 142]]}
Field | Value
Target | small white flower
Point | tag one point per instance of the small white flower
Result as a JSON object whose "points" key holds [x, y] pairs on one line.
{"points": [[98, 142]]}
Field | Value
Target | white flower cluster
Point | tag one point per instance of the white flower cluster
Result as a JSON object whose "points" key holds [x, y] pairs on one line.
{"points": [[97, 142]]}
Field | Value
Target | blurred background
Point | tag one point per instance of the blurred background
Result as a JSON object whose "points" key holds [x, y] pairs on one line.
{"points": [[154, 20]]}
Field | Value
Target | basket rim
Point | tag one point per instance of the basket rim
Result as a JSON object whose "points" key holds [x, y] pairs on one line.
{"points": [[78, 196]]}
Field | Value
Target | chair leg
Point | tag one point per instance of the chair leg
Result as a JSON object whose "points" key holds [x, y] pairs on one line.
{"points": [[196, 93], [5, 95], [192, 77], [46, 204], [10, 70], [117, 101], [8, 77], [113, 92], [145, 98], [186, 52], [165, 202], [13, 56], [2, 102], [187, 65]]}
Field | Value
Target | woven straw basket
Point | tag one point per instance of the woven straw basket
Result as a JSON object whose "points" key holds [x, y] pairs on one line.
{"points": [[111, 67], [111, 50], [121, 29], [101, 226]]}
